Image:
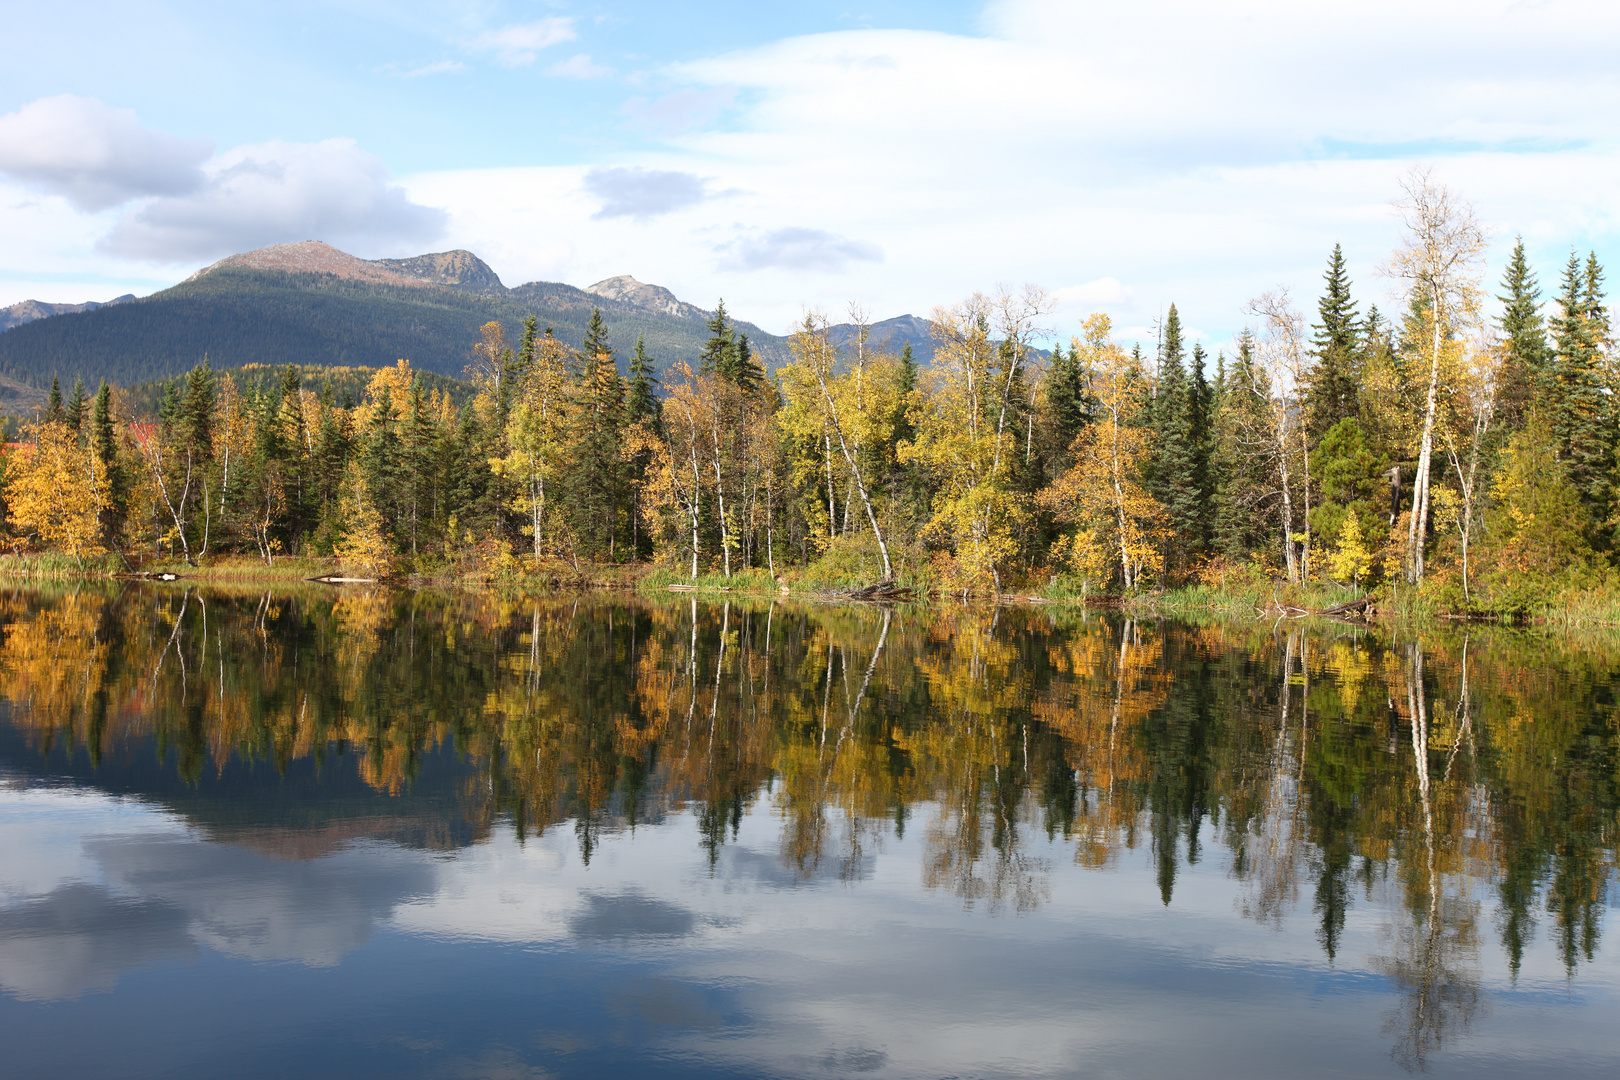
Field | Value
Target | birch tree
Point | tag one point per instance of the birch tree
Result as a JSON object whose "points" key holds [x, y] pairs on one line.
{"points": [[1439, 261]]}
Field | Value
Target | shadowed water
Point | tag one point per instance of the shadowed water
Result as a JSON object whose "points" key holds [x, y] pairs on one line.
{"points": [[419, 834]]}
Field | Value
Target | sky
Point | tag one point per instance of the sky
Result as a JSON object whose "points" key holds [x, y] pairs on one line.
{"points": [[788, 157]]}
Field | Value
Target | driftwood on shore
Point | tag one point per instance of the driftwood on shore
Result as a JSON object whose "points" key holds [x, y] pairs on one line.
{"points": [[885, 590], [336, 579], [1362, 609], [1359, 609]]}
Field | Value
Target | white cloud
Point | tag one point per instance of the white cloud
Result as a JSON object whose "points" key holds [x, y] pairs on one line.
{"points": [[796, 248], [274, 193], [1102, 292], [521, 44], [643, 193], [94, 156], [578, 66]]}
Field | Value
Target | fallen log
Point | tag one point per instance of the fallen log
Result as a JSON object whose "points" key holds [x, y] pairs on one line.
{"points": [[1359, 608], [880, 591]]}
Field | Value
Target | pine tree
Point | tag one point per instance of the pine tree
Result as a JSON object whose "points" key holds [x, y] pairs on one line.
{"points": [[746, 372], [55, 413], [597, 481], [76, 405], [1242, 518], [720, 351], [528, 347], [1597, 311], [641, 400], [1333, 385], [1524, 332], [1068, 400], [194, 419], [1174, 478], [114, 480], [1577, 402]]}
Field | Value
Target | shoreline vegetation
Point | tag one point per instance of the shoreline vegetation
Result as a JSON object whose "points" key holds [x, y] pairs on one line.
{"points": [[1444, 462], [1243, 600]]}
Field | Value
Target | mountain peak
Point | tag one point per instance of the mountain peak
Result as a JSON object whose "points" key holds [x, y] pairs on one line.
{"points": [[625, 289], [459, 269], [310, 257]]}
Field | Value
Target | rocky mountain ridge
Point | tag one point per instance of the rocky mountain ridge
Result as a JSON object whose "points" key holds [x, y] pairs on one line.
{"points": [[28, 310]]}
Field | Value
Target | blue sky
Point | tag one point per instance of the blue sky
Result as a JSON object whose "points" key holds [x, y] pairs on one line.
{"points": [[787, 156]]}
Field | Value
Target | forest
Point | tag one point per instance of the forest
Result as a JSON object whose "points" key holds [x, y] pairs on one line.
{"points": [[1452, 450]]}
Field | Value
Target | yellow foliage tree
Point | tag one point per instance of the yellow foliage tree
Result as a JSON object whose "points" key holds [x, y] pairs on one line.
{"points": [[1101, 494], [56, 492]]}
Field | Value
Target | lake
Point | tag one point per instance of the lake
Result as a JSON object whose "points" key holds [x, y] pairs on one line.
{"points": [[401, 834]]}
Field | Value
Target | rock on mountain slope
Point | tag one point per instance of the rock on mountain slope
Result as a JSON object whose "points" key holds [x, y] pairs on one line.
{"points": [[625, 289]]}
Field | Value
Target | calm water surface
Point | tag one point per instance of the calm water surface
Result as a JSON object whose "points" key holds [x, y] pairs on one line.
{"points": [[411, 834]]}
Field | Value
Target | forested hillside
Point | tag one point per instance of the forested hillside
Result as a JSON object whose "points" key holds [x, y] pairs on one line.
{"points": [[237, 314], [1459, 452]]}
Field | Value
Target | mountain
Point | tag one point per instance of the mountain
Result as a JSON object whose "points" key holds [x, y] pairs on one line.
{"points": [[311, 304], [891, 335], [29, 310]]}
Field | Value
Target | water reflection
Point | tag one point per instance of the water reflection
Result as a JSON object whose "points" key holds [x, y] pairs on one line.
{"points": [[1455, 791]]}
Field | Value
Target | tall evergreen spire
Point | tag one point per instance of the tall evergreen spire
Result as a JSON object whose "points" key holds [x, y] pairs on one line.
{"points": [[719, 352], [641, 402], [1576, 397], [1331, 390], [1525, 335]]}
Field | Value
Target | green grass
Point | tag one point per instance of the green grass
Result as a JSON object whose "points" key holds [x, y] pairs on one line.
{"points": [[50, 564]]}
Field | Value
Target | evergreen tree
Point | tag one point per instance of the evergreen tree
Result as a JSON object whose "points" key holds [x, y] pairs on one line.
{"points": [[76, 404], [720, 351], [382, 464], [641, 406], [1068, 399], [55, 413], [641, 400], [1524, 332], [1243, 517], [746, 372], [597, 480], [1597, 311], [1332, 387], [194, 419], [115, 482], [1174, 477], [1578, 403], [528, 347]]}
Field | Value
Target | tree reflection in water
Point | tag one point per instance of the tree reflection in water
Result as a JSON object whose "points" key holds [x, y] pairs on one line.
{"points": [[1415, 771]]}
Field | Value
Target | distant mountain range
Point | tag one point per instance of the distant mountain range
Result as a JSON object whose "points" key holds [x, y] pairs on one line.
{"points": [[29, 310], [313, 305]]}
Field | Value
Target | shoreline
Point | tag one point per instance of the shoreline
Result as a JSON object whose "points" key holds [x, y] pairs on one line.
{"points": [[1587, 610]]}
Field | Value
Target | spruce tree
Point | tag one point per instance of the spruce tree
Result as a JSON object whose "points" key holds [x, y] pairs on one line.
{"points": [[1332, 387], [1243, 521], [597, 480], [104, 443], [55, 413], [719, 352], [1174, 478], [1524, 334], [194, 420], [641, 399], [1068, 401], [76, 404], [1578, 405], [746, 371]]}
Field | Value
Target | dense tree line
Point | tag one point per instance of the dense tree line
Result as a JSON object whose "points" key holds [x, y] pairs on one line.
{"points": [[1431, 445]]}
